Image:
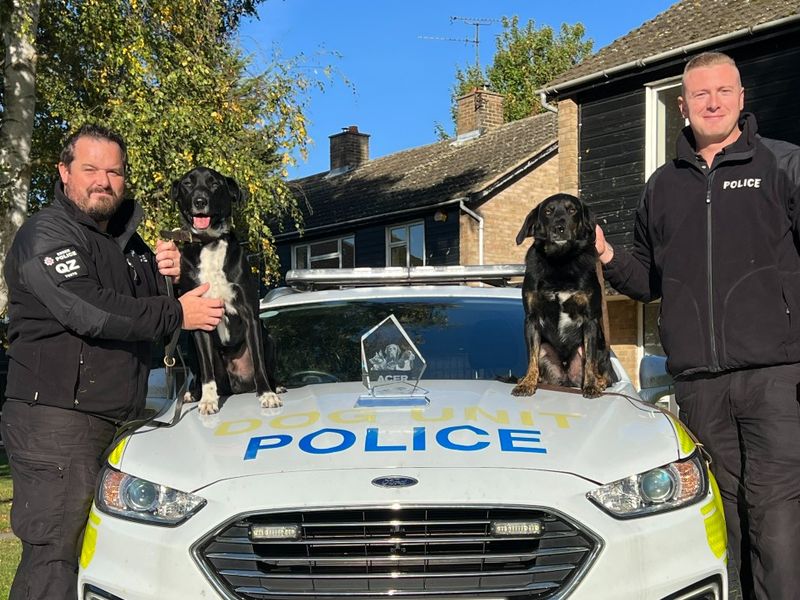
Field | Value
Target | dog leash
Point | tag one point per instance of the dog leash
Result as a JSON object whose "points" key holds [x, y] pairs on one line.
{"points": [[176, 235], [605, 322]]}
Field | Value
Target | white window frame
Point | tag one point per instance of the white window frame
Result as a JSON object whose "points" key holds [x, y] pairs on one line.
{"points": [[407, 243], [654, 122], [654, 133], [337, 254]]}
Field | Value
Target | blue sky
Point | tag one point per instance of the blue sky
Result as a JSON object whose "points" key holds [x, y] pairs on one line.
{"points": [[400, 84]]}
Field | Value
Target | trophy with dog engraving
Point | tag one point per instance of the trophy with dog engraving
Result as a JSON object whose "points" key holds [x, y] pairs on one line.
{"points": [[391, 366]]}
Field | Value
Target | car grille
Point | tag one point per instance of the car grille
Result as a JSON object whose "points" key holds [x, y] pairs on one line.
{"points": [[411, 553]]}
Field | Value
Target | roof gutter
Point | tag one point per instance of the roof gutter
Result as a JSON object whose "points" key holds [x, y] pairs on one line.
{"points": [[339, 224], [682, 50]]}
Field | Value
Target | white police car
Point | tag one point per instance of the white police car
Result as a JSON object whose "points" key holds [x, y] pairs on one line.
{"points": [[448, 489]]}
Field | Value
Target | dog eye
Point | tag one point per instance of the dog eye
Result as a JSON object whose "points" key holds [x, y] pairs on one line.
{"points": [[572, 210]]}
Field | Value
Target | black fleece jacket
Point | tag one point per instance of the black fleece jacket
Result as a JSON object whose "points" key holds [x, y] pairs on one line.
{"points": [[719, 245], [84, 309]]}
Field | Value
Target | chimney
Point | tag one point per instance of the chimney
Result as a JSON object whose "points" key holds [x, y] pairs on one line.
{"points": [[478, 111], [349, 149]]}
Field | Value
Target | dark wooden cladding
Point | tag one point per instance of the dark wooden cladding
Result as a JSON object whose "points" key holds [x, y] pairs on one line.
{"points": [[612, 160], [771, 82]]}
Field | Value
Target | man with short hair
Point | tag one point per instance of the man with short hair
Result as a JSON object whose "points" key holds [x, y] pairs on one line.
{"points": [[84, 309], [716, 238]]}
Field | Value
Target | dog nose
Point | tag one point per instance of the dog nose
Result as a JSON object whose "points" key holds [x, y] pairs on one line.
{"points": [[200, 202]]}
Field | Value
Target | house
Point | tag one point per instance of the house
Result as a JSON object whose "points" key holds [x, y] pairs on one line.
{"points": [[456, 201], [618, 116]]}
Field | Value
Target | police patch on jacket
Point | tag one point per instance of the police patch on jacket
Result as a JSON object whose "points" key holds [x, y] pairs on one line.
{"points": [[64, 264]]}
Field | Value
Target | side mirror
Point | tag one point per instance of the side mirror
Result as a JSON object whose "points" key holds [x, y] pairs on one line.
{"points": [[654, 381]]}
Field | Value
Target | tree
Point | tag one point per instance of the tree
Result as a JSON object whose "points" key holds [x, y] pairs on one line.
{"points": [[524, 61], [167, 75], [19, 20]]}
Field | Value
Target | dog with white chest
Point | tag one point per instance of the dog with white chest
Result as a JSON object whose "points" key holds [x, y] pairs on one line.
{"points": [[562, 299], [231, 358]]}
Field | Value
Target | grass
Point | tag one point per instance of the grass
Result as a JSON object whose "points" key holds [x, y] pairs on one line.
{"points": [[9, 546]]}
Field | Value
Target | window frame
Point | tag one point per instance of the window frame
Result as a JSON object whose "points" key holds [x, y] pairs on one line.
{"points": [[407, 242], [338, 254], [654, 122]]}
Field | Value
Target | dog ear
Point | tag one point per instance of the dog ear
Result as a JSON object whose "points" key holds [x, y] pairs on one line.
{"points": [[233, 189], [587, 222], [175, 190], [528, 225]]}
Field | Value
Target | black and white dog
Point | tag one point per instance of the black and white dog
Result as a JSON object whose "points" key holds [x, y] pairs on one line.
{"points": [[232, 356]]}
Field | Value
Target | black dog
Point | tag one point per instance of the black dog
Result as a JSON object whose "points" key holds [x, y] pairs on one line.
{"points": [[231, 357], [563, 300]]}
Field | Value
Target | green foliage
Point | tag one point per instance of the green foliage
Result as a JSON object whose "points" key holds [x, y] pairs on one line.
{"points": [[526, 58], [167, 75]]}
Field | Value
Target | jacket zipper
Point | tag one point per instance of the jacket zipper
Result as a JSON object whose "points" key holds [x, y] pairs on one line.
{"points": [[714, 359]]}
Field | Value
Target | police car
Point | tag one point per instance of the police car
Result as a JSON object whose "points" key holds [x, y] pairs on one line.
{"points": [[400, 465]]}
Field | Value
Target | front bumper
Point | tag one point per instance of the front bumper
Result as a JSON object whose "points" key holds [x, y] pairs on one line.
{"points": [[651, 557]]}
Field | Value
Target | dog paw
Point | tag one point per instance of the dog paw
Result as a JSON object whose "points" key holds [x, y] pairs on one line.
{"points": [[208, 407], [592, 391], [524, 388], [187, 397], [270, 400], [280, 390]]}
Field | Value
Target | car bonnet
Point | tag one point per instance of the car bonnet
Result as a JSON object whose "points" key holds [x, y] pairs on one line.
{"points": [[463, 425]]}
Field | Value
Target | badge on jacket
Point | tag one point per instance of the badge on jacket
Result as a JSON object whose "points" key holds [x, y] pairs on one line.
{"points": [[65, 264]]}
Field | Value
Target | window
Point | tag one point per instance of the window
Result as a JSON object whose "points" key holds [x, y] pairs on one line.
{"points": [[651, 339], [405, 245], [330, 254], [664, 123]]}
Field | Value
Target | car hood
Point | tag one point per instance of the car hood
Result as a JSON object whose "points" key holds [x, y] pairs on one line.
{"points": [[463, 425]]}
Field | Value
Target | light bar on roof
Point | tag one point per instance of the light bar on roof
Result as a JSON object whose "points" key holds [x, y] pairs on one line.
{"points": [[311, 278]]}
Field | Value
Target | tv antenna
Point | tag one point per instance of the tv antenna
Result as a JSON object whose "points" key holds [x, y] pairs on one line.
{"points": [[477, 23]]}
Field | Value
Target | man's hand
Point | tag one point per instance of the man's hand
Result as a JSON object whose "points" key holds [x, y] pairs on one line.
{"points": [[201, 313], [605, 252], [168, 259]]}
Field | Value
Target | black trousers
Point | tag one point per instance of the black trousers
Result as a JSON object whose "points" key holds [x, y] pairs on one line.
{"points": [[749, 421], [55, 456]]}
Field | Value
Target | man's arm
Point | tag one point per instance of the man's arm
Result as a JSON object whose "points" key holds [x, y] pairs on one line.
{"points": [[62, 276], [631, 273]]}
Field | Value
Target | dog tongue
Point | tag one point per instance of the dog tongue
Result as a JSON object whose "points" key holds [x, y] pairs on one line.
{"points": [[201, 222]]}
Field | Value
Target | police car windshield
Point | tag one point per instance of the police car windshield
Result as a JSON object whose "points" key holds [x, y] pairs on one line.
{"points": [[460, 338]]}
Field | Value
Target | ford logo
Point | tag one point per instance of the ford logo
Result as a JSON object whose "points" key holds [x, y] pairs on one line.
{"points": [[394, 481]]}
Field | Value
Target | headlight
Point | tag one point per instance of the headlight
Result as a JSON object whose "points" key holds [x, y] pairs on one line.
{"points": [[666, 488], [129, 497]]}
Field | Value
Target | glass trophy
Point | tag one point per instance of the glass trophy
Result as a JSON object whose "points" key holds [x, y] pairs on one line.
{"points": [[391, 366]]}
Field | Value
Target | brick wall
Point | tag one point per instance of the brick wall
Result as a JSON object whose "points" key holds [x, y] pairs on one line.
{"points": [[623, 321], [568, 146], [503, 216]]}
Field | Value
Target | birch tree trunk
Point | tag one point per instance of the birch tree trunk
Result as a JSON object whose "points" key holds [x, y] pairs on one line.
{"points": [[20, 19]]}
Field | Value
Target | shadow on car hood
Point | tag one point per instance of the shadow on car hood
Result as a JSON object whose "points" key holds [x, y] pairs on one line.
{"points": [[465, 425]]}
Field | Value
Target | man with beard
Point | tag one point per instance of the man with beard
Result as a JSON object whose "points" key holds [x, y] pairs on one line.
{"points": [[84, 308]]}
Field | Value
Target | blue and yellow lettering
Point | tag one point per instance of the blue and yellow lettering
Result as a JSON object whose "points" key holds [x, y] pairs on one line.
{"points": [[261, 443], [419, 439], [294, 421], [418, 414], [348, 439], [443, 438], [472, 412], [511, 440], [237, 427], [371, 443]]}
